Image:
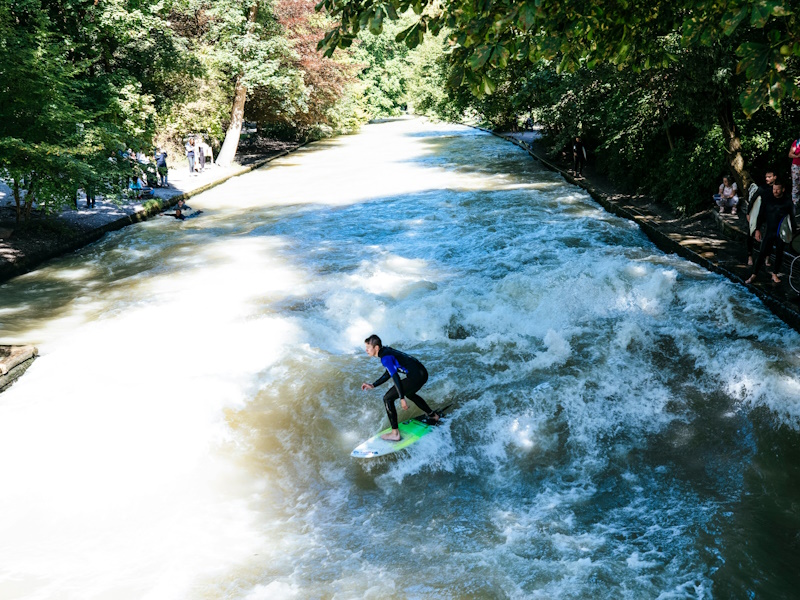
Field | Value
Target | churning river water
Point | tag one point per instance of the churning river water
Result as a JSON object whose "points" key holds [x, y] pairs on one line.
{"points": [[626, 423]]}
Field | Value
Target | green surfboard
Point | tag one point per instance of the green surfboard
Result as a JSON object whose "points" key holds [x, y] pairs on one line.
{"points": [[411, 431]]}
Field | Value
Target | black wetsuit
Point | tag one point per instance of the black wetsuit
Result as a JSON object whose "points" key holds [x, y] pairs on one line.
{"points": [[397, 362], [774, 210], [578, 157]]}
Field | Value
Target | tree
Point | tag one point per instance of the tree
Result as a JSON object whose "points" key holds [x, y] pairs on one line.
{"points": [[40, 141], [231, 142], [80, 81], [759, 38], [249, 47], [386, 67], [317, 104], [626, 33]]}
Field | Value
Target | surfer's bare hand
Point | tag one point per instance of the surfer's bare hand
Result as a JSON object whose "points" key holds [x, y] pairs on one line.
{"points": [[758, 235], [403, 404], [367, 386]]}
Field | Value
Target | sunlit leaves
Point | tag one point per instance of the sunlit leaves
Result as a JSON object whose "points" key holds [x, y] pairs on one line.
{"points": [[763, 9], [480, 56], [732, 19]]}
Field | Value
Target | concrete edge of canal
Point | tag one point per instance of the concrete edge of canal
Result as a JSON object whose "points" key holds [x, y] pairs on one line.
{"points": [[786, 312]]}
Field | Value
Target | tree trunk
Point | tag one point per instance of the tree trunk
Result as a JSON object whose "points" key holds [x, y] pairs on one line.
{"points": [[17, 199], [29, 197], [231, 143], [733, 148]]}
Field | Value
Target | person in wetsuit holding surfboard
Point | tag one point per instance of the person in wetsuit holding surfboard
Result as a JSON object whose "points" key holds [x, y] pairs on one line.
{"points": [[397, 362], [770, 178], [776, 206]]}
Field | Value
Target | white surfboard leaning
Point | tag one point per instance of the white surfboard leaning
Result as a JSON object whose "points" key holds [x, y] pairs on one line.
{"points": [[755, 209], [411, 431]]}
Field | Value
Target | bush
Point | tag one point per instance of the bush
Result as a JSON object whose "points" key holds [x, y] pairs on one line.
{"points": [[692, 172]]}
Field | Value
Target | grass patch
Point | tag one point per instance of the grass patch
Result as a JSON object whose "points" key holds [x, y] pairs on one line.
{"points": [[153, 204]]}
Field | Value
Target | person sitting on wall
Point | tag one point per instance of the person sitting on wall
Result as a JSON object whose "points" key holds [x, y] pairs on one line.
{"points": [[139, 189], [727, 196]]}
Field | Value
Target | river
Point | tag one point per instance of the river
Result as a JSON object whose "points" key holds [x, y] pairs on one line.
{"points": [[626, 423]]}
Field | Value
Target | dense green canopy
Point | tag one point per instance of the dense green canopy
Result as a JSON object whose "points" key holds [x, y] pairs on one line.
{"points": [[669, 95], [627, 33]]}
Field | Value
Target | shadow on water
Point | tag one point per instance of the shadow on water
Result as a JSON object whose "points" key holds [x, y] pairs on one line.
{"points": [[498, 158]]}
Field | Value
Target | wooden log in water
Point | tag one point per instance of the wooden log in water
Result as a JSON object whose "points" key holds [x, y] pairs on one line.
{"points": [[14, 361]]}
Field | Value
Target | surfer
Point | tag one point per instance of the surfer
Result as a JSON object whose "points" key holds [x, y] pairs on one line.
{"points": [[776, 206], [397, 362], [183, 211]]}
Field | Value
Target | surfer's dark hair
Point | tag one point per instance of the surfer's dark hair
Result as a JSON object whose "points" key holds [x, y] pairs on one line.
{"points": [[374, 340]]}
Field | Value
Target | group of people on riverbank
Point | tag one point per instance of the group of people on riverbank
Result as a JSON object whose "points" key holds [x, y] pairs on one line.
{"points": [[774, 225], [770, 214], [144, 173], [198, 152]]}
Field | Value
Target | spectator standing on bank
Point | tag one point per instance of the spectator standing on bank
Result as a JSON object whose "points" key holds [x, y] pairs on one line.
{"points": [[727, 196], [190, 147], [578, 156], [161, 167], [794, 154], [90, 196], [775, 205], [201, 156]]}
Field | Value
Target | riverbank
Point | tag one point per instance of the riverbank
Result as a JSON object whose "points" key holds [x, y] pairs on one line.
{"points": [[716, 242], [25, 248]]}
